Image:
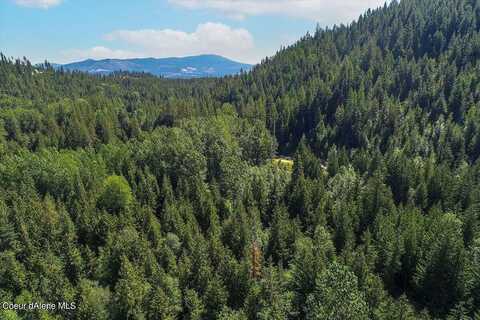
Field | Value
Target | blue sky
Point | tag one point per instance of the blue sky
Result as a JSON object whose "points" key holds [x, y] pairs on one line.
{"points": [[244, 30]]}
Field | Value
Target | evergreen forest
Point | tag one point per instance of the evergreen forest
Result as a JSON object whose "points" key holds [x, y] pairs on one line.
{"points": [[337, 180]]}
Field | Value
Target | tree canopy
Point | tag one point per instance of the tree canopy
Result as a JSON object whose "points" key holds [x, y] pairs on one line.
{"points": [[137, 197]]}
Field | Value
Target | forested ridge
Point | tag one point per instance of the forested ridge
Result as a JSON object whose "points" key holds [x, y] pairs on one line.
{"points": [[137, 197]]}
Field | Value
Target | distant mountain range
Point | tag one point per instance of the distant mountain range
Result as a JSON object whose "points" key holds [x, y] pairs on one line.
{"points": [[186, 68]]}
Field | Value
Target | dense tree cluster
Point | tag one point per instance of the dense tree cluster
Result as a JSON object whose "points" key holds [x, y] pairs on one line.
{"points": [[143, 198]]}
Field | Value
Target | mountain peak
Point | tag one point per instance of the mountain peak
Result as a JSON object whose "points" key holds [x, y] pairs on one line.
{"points": [[200, 66]]}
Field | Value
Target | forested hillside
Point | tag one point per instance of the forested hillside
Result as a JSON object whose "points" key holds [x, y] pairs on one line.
{"points": [[143, 198]]}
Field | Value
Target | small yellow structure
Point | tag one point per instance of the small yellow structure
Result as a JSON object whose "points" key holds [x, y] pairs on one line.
{"points": [[283, 163]]}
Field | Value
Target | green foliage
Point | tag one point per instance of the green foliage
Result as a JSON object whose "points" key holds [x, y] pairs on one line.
{"points": [[336, 296], [9, 315], [130, 292], [193, 306], [228, 314], [93, 301], [116, 194], [274, 299], [141, 198], [440, 274]]}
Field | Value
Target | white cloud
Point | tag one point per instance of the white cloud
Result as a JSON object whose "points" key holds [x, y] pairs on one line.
{"points": [[208, 38], [323, 11], [97, 53], [43, 4]]}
